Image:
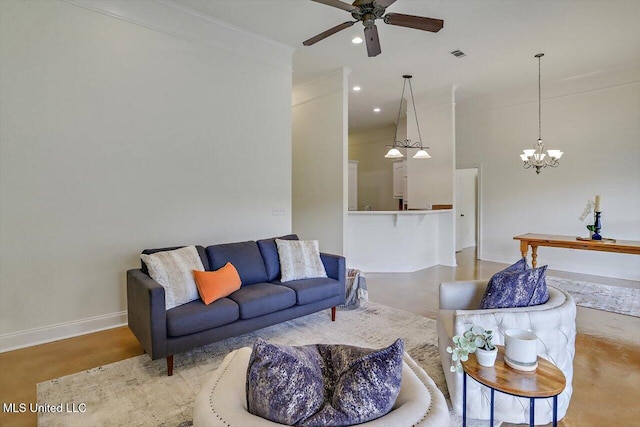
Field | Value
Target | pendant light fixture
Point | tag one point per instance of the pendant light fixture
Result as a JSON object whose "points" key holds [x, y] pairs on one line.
{"points": [[394, 152], [536, 158]]}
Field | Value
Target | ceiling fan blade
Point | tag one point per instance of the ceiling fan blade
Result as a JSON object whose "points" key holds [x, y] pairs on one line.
{"points": [[337, 3], [373, 42], [327, 33], [417, 22], [384, 3]]}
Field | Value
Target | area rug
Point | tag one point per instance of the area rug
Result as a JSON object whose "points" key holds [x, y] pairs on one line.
{"points": [[137, 391], [615, 299]]}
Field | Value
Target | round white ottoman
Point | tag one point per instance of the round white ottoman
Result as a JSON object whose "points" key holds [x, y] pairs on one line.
{"points": [[222, 400]]}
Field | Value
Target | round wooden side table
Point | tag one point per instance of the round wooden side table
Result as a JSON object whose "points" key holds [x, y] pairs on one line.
{"points": [[547, 381]]}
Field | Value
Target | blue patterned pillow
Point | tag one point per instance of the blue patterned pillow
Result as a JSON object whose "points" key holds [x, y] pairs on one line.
{"points": [[362, 384], [520, 265], [284, 384], [516, 286], [323, 385]]}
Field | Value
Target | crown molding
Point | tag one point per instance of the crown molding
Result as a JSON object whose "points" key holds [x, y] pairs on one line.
{"points": [[170, 18]]}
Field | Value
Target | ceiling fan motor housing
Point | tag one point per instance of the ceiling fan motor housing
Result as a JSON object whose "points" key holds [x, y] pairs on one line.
{"points": [[365, 8]]}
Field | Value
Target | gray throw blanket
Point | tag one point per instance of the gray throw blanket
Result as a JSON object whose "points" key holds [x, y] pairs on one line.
{"points": [[356, 290]]}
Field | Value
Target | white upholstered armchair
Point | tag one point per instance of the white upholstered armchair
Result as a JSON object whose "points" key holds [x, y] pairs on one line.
{"points": [[553, 322]]}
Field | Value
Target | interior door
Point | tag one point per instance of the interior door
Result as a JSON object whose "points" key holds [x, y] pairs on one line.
{"points": [[466, 202]]}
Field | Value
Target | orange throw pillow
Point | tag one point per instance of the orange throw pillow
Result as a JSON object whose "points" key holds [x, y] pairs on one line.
{"points": [[213, 285]]}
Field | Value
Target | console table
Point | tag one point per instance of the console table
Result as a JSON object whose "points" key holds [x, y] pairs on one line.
{"points": [[572, 242], [546, 381]]}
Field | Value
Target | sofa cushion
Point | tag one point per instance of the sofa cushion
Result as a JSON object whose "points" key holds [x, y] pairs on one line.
{"points": [[200, 249], [262, 298], [213, 285], [196, 316], [299, 259], [245, 256], [174, 271], [269, 252], [315, 289]]}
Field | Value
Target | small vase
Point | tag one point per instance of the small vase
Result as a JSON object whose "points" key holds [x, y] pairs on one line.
{"points": [[486, 358]]}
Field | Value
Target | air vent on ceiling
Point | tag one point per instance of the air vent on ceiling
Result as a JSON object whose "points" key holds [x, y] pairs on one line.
{"points": [[458, 53]]}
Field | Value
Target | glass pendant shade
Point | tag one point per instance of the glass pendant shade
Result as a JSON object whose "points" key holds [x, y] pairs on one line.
{"points": [[393, 153], [422, 154]]}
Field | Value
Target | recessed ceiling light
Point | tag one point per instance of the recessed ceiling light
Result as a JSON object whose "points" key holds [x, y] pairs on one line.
{"points": [[356, 40], [376, 110], [356, 88]]}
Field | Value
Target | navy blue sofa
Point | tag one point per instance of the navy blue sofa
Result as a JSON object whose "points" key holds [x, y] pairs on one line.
{"points": [[261, 301]]}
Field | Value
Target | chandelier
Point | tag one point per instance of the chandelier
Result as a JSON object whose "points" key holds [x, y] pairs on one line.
{"points": [[393, 152], [536, 158]]}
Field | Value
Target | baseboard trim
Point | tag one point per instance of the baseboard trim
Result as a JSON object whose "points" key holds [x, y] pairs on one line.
{"points": [[46, 334]]}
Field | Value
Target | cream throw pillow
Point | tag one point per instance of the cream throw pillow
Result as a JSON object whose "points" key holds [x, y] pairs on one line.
{"points": [[174, 271], [299, 259]]}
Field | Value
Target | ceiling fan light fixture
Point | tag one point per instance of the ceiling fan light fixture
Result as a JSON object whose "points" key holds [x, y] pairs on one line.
{"points": [[356, 88], [357, 40], [376, 110]]}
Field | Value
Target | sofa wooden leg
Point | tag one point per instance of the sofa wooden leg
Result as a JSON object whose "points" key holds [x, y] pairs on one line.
{"points": [[169, 365], [333, 314]]}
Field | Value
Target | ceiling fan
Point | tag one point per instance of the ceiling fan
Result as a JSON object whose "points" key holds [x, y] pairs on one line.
{"points": [[368, 11]]}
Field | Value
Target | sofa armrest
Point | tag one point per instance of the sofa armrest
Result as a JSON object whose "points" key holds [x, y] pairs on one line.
{"points": [[335, 267], [461, 295], [146, 313]]}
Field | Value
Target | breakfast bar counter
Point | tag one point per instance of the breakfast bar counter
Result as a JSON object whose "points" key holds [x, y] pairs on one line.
{"points": [[399, 241]]}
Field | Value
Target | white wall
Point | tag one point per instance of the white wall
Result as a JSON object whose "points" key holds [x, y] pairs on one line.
{"points": [[122, 128], [375, 172], [595, 121], [320, 177]]}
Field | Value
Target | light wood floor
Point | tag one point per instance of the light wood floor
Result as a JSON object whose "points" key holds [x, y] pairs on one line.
{"points": [[606, 367]]}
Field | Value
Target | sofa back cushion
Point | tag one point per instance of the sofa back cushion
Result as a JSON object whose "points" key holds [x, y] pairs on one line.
{"points": [[200, 249], [269, 252], [174, 271], [245, 257]]}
